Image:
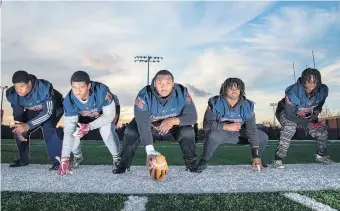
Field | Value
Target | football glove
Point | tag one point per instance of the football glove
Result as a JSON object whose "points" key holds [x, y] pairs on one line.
{"points": [[64, 167], [82, 130]]}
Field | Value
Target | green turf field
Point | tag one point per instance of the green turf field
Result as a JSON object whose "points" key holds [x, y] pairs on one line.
{"points": [[95, 152], [12, 201]]}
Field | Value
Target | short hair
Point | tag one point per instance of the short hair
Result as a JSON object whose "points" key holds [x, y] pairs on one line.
{"points": [[308, 73], [80, 76], [164, 72], [231, 82], [21, 76]]}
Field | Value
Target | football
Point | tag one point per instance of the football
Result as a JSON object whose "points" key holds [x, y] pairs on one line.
{"points": [[159, 168]]}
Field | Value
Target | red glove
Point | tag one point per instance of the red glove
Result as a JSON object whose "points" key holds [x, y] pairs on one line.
{"points": [[82, 130], [64, 167], [316, 125]]}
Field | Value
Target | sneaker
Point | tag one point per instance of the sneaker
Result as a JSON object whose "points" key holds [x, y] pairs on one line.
{"points": [[76, 161], [120, 168], [191, 165], [202, 165], [323, 159], [17, 163], [278, 164], [55, 166]]}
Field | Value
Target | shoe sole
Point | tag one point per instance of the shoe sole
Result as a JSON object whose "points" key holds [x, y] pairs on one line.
{"points": [[77, 164]]}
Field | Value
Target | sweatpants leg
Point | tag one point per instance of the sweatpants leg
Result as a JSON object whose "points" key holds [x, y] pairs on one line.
{"points": [[214, 138], [130, 143], [185, 136], [321, 136], [110, 139], [286, 134], [52, 140]]}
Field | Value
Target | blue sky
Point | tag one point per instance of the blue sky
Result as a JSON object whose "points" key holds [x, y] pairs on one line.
{"points": [[202, 43]]}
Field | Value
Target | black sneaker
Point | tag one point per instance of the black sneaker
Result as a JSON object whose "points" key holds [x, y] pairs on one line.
{"points": [[191, 165], [17, 163], [120, 168], [202, 165], [54, 167], [192, 168]]}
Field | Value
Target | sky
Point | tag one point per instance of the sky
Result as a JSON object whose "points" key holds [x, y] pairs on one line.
{"points": [[202, 44]]}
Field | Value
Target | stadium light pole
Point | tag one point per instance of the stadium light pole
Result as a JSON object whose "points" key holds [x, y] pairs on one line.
{"points": [[294, 73], [148, 59], [274, 104], [313, 58], [2, 99]]}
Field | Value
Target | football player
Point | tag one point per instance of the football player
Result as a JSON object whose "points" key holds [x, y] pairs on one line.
{"points": [[300, 108], [162, 108], [35, 105], [89, 105], [223, 120]]}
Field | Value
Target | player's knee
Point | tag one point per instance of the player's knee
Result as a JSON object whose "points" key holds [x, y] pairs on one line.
{"points": [[213, 136]]}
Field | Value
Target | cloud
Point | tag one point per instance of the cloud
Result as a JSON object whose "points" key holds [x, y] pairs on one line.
{"points": [[263, 51], [197, 92], [202, 43]]}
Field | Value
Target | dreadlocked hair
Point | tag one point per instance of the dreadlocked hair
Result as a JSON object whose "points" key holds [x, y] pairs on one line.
{"points": [[233, 82], [308, 73]]}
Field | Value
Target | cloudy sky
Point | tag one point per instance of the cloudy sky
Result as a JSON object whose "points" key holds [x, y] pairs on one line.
{"points": [[202, 43]]}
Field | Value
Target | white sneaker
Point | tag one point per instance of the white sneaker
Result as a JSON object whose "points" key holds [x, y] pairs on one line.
{"points": [[76, 161], [278, 164], [323, 159]]}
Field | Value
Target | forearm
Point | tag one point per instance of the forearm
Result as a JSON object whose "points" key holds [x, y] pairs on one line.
{"points": [[144, 127], [251, 131], [68, 142]]}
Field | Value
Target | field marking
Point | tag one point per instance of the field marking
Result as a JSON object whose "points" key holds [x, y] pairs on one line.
{"points": [[215, 179], [308, 202], [170, 145], [135, 203]]}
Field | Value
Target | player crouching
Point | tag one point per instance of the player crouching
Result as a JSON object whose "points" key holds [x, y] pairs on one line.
{"points": [[90, 105]]}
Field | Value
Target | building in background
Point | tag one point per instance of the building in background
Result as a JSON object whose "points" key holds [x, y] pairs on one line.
{"points": [[333, 123]]}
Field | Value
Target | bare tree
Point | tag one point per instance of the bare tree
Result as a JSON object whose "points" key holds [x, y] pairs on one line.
{"points": [[267, 124], [326, 112]]}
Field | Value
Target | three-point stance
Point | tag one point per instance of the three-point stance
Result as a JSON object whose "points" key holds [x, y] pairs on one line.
{"points": [[35, 105], [90, 105], [223, 120], [162, 108]]}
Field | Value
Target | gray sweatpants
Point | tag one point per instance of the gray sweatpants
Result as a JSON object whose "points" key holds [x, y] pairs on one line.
{"points": [[214, 138], [109, 137], [287, 132]]}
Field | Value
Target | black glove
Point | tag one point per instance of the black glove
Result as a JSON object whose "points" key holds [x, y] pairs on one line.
{"points": [[314, 116]]}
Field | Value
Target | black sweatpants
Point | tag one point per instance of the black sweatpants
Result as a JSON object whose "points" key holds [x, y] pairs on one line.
{"points": [[183, 134]]}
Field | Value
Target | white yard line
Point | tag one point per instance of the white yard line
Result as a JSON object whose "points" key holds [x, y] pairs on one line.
{"points": [[308, 202], [215, 179], [135, 203], [166, 146]]}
